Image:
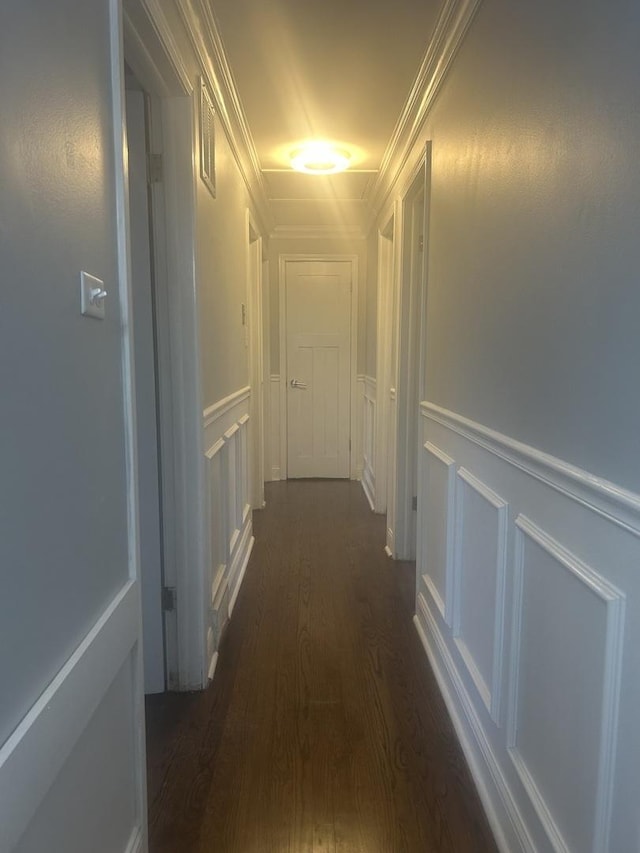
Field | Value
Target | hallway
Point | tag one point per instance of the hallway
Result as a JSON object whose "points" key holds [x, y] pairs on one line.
{"points": [[324, 729]]}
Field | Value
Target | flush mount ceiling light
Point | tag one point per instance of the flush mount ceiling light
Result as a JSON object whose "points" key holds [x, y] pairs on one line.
{"points": [[319, 158]]}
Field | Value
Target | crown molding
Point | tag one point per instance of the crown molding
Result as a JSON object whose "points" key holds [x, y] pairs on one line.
{"points": [[205, 38], [317, 232], [453, 22]]}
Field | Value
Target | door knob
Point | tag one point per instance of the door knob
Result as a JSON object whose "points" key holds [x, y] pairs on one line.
{"points": [[296, 383]]}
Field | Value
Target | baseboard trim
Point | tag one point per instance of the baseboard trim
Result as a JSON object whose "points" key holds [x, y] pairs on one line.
{"points": [[506, 822], [241, 573], [367, 488], [136, 842], [212, 666]]}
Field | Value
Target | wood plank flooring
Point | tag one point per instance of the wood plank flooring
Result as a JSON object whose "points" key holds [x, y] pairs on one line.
{"points": [[324, 730]]}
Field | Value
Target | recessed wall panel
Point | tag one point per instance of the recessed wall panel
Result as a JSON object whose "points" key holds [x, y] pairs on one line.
{"points": [[479, 585], [565, 668], [436, 526]]}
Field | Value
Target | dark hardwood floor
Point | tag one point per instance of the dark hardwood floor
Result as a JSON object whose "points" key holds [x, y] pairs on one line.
{"points": [[324, 729]]}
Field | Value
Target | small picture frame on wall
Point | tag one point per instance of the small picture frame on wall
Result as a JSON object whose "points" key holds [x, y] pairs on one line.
{"points": [[207, 139]]}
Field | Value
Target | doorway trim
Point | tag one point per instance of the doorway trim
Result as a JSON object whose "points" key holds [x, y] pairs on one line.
{"points": [[411, 302], [255, 331], [151, 51], [283, 260], [384, 359]]}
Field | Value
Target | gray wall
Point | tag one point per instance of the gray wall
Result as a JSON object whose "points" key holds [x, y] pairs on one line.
{"points": [[533, 292], [63, 522], [222, 277]]}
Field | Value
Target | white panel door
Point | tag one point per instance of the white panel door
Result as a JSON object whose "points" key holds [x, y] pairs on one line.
{"points": [[318, 318]]}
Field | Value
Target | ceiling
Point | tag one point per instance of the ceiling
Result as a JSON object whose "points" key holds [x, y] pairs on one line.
{"points": [[340, 70]]}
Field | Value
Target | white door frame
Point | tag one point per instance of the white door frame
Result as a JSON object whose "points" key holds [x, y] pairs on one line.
{"points": [[283, 260], [266, 368], [383, 358], [412, 286], [150, 49], [255, 302]]}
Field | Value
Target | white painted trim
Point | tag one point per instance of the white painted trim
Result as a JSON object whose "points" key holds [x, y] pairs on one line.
{"points": [[283, 260], [255, 303], [246, 551], [384, 323], [215, 448], [491, 698], [316, 232], [33, 755], [102, 676], [136, 841], [370, 384], [446, 607], [502, 811], [233, 429], [206, 41], [214, 412], [408, 325], [166, 37], [156, 52], [453, 23], [212, 666], [614, 601], [274, 425], [617, 505], [368, 437]]}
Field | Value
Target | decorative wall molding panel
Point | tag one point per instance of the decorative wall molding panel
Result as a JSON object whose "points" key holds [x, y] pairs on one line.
{"points": [[436, 503], [34, 755], [534, 640], [369, 439], [574, 665], [479, 585], [228, 511]]}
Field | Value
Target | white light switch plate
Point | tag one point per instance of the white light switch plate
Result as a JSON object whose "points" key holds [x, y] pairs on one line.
{"points": [[92, 296]]}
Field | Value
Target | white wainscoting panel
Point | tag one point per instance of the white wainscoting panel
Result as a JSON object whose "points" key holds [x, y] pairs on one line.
{"points": [[229, 511], [560, 678], [435, 539], [479, 585], [41, 760], [538, 662], [369, 439]]}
